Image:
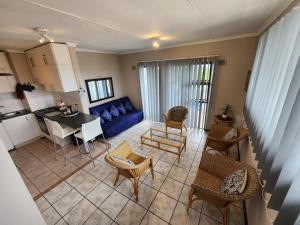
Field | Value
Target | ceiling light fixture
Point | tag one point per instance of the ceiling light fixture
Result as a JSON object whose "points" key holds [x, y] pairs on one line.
{"points": [[155, 42], [43, 35]]}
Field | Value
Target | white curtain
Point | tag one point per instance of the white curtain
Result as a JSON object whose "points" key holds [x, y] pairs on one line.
{"points": [[272, 107], [184, 82]]}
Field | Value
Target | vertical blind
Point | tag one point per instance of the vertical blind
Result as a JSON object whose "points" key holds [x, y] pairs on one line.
{"points": [[185, 82], [272, 113]]}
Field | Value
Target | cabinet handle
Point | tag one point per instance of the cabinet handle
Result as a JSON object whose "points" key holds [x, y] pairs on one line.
{"points": [[45, 60], [32, 62]]}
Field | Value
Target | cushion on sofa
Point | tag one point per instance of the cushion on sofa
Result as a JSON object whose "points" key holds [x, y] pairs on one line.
{"points": [[106, 115], [97, 114], [121, 108], [128, 106], [114, 111]]}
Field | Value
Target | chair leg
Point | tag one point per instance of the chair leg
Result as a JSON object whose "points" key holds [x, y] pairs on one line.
{"points": [[151, 168], [64, 152], [55, 149], [117, 178], [78, 147], [225, 216], [91, 154], [189, 205], [136, 188]]}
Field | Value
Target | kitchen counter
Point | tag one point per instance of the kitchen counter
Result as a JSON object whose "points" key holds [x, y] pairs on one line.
{"points": [[75, 121], [10, 115]]}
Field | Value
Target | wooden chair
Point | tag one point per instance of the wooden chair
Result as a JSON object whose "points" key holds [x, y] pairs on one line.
{"points": [[131, 172], [216, 141], [175, 117], [206, 186]]}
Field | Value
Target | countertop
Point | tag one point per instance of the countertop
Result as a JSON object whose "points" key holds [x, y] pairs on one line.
{"points": [[17, 113]]}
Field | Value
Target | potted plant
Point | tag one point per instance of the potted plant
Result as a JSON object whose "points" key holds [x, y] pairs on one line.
{"points": [[226, 111]]}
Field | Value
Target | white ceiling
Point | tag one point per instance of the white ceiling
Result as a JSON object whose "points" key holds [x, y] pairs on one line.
{"points": [[127, 25]]}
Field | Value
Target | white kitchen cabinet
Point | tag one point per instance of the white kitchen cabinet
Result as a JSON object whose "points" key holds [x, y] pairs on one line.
{"points": [[5, 138], [4, 65], [52, 67], [21, 129]]}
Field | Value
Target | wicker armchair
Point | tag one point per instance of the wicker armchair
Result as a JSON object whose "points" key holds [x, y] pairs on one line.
{"points": [[206, 186], [132, 172], [215, 139], [175, 117]]}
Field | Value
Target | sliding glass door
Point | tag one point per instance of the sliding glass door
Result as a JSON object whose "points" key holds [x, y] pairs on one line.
{"points": [[185, 82]]}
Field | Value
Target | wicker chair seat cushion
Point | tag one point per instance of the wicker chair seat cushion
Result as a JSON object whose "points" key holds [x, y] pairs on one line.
{"points": [[207, 180], [127, 162], [235, 183], [174, 124], [137, 159]]}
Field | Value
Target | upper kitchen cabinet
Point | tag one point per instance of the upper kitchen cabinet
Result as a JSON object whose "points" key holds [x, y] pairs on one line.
{"points": [[52, 68], [7, 80]]}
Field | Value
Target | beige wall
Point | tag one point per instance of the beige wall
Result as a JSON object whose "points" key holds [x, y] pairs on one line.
{"points": [[98, 65], [230, 78]]}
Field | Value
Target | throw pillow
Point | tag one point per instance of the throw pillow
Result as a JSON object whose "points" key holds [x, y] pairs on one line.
{"points": [[123, 161], [97, 114], [214, 152], [106, 115], [128, 106], [231, 134], [121, 108], [114, 111], [235, 183]]}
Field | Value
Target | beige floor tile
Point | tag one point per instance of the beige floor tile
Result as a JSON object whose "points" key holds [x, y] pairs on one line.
{"points": [[99, 194], [110, 180], [98, 218], [85, 186], [80, 213], [171, 188], [211, 211], [61, 222], [126, 188], [205, 220], [146, 195], [178, 173], [163, 206], [51, 216], [45, 180], [190, 179], [184, 163], [103, 171], [131, 214], [42, 204], [67, 202], [77, 177], [156, 182], [169, 158], [114, 204], [58, 192], [163, 167], [181, 216], [197, 205], [151, 219]]}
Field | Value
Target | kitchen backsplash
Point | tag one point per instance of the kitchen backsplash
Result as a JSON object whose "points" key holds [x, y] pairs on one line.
{"points": [[40, 99], [10, 103]]}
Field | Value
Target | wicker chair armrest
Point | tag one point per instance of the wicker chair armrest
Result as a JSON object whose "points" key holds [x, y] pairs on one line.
{"points": [[166, 116]]}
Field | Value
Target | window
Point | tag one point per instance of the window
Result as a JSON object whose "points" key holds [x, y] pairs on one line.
{"points": [[99, 89]]}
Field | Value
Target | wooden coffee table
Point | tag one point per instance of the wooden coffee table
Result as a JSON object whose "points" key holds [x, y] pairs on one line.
{"points": [[165, 141]]}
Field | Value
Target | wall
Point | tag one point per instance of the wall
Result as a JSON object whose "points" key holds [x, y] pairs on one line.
{"points": [[230, 78], [10, 103], [98, 65]]}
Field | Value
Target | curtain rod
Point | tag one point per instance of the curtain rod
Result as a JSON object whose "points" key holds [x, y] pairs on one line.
{"points": [[173, 59]]}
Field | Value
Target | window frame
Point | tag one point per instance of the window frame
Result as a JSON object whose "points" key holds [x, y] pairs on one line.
{"points": [[99, 79]]}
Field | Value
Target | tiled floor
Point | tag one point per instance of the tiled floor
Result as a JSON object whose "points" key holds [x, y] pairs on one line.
{"points": [[89, 197], [42, 171]]}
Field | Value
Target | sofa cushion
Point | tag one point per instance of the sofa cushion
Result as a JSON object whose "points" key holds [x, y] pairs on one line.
{"points": [[97, 114], [128, 106], [114, 111], [106, 115], [121, 108]]}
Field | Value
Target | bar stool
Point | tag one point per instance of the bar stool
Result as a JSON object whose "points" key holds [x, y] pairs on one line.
{"points": [[59, 134], [89, 132]]}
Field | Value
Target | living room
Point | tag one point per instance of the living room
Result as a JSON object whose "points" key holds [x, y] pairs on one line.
{"points": [[110, 119]]}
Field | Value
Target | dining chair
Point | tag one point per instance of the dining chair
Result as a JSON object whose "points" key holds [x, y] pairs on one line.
{"points": [[59, 134], [89, 132]]}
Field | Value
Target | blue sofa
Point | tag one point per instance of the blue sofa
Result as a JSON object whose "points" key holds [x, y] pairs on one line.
{"points": [[120, 123]]}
